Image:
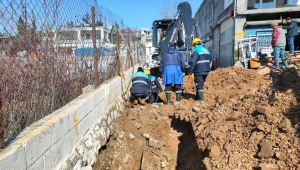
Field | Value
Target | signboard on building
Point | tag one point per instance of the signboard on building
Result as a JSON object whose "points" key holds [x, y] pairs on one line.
{"points": [[227, 3]]}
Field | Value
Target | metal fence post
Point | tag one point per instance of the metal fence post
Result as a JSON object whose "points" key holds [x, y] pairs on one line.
{"points": [[94, 48], [2, 139]]}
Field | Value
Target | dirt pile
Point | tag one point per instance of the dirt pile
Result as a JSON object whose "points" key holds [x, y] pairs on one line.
{"points": [[260, 129], [246, 123], [230, 83]]}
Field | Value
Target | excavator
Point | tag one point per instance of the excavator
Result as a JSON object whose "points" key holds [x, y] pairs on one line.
{"points": [[180, 30]]}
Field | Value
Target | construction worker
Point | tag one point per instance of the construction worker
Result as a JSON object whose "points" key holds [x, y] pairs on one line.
{"points": [[292, 31], [278, 43], [171, 66], [140, 88], [200, 66], [155, 88]]}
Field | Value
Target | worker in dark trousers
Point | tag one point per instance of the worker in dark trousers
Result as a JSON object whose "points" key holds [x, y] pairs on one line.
{"points": [[155, 88], [171, 66], [200, 66], [140, 88]]}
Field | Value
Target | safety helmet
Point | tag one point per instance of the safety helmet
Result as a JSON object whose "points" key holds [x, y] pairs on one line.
{"points": [[195, 40], [147, 71]]}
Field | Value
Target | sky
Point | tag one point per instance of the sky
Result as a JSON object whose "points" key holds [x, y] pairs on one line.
{"points": [[141, 13]]}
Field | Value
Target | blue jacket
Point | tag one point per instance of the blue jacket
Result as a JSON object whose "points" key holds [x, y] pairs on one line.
{"points": [[172, 65], [292, 29], [140, 83], [154, 85], [200, 62]]}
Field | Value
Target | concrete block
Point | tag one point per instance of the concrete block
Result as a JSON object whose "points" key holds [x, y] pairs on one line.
{"points": [[38, 165], [99, 110], [99, 95], [13, 157], [55, 154], [85, 124], [70, 140], [36, 143], [60, 126]]}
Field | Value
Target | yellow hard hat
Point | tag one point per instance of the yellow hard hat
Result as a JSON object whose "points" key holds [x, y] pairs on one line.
{"points": [[195, 40], [147, 71]]}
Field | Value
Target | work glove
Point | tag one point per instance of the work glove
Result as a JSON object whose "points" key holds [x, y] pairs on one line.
{"points": [[191, 76], [161, 93], [183, 74]]}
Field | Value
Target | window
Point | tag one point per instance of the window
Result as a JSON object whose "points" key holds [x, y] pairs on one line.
{"points": [[88, 36], [261, 4], [210, 12], [290, 2]]}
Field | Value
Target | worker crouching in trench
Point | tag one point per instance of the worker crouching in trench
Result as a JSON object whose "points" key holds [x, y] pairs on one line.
{"points": [[140, 88]]}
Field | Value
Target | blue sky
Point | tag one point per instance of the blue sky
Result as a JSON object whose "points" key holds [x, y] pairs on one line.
{"points": [[140, 13]]}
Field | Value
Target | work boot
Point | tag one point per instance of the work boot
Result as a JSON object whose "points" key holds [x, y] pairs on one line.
{"points": [[142, 101], [201, 96], [135, 102], [168, 96], [178, 96]]}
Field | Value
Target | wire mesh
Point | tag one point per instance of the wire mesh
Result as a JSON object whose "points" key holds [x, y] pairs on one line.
{"points": [[46, 55]]}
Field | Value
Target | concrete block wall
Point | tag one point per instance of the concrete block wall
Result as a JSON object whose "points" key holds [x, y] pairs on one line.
{"points": [[69, 138]]}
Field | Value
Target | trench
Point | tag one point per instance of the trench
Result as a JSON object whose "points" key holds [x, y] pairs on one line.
{"points": [[178, 146]]}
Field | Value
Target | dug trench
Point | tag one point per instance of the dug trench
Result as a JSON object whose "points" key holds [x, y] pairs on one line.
{"points": [[247, 122]]}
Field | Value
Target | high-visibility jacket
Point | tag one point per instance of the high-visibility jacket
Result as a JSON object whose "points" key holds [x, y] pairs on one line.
{"points": [[200, 62]]}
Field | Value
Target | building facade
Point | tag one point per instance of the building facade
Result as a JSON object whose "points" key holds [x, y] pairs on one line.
{"points": [[224, 24]]}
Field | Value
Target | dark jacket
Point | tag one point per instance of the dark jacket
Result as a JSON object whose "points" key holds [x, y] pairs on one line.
{"points": [[172, 65], [200, 62], [155, 85], [140, 84], [292, 29]]}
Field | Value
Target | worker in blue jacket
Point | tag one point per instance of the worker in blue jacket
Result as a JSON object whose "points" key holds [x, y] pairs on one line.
{"points": [[200, 66], [171, 66], [292, 31], [140, 88], [155, 88]]}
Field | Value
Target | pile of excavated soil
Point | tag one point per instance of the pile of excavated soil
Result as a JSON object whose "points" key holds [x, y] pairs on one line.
{"points": [[246, 123], [230, 83]]}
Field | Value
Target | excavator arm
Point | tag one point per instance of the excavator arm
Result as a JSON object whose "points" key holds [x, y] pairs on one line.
{"points": [[183, 19]]}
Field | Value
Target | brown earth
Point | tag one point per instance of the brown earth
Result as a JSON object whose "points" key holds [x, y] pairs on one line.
{"points": [[246, 123]]}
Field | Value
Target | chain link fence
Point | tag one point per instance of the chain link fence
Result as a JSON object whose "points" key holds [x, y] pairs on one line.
{"points": [[50, 50]]}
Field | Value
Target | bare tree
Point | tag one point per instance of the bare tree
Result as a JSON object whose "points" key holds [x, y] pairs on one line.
{"points": [[168, 9]]}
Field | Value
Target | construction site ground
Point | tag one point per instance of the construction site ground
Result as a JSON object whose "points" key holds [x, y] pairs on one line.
{"points": [[247, 122]]}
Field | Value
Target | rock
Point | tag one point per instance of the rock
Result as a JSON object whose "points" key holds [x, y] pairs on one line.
{"points": [[265, 166], [146, 135], [142, 107], [196, 109], [279, 155], [265, 110], [155, 106], [260, 127], [265, 150], [89, 167], [234, 159], [164, 164], [215, 151], [234, 116], [121, 134], [131, 136], [286, 124], [256, 136], [157, 152], [204, 120], [154, 143]]}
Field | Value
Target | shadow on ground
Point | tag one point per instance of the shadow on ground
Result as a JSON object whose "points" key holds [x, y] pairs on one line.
{"points": [[189, 155]]}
